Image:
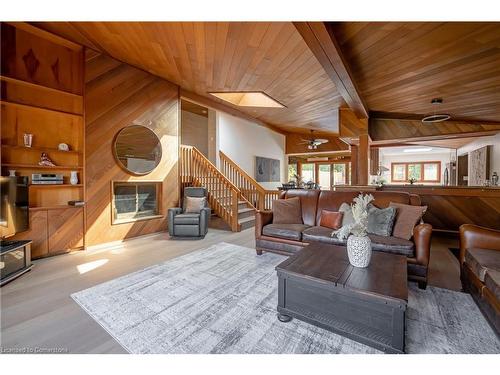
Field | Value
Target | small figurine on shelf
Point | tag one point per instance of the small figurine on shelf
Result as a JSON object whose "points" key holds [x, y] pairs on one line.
{"points": [[45, 160]]}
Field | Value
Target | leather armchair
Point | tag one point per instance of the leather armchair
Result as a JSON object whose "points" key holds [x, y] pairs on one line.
{"points": [[480, 269], [474, 236], [189, 225]]}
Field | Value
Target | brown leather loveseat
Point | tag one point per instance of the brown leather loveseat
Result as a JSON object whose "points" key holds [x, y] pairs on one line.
{"points": [[480, 269], [289, 238]]}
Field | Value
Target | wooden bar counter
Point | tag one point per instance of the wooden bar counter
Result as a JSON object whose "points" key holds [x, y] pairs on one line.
{"points": [[451, 206]]}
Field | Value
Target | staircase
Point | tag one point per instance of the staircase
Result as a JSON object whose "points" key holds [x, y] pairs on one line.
{"points": [[259, 198], [225, 199]]}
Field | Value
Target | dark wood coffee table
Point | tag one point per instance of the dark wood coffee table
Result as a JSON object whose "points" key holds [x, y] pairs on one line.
{"points": [[319, 286]]}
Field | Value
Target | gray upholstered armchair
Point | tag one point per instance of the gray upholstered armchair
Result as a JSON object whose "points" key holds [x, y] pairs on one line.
{"points": [[194, 225]]}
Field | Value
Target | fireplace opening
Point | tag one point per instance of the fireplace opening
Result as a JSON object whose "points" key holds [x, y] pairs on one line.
{"points": [[135, 200]]}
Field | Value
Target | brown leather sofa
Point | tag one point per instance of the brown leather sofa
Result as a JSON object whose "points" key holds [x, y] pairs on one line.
{"points": [[480, 269], [289, 238]]}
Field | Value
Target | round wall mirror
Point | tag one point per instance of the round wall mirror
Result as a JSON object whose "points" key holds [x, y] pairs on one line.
{"points": [[137, 149]]}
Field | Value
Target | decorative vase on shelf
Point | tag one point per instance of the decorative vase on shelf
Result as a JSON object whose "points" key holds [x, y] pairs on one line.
{"points": [[359, 250], [73, 178], [27, 139]]}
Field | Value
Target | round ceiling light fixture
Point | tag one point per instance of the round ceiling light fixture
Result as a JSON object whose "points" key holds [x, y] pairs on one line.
{"points": [[436, 117]]}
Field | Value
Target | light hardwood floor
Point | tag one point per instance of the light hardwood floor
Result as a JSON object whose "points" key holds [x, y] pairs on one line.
{"points": [[38, 312]]}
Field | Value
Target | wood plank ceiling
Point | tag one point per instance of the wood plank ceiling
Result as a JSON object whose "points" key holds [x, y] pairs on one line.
{"points": [[206, 56], [401, 66]]}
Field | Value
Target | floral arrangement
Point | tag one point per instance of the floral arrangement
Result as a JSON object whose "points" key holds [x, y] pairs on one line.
{"points": [[360, 214]]}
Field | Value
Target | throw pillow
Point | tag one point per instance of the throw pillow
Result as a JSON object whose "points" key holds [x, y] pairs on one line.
{"points": [[380, 220], [347, 217], [331, 219], [287, 211], [407, 217], [193, 205]]}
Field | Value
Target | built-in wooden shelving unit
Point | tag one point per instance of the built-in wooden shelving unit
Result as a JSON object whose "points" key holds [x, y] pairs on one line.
{"points": [[42, 94], [40, 150], [34, 166]]}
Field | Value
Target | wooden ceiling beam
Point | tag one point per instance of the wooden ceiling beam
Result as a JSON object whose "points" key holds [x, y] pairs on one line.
{"points": [[322, 43], [391, 130]]}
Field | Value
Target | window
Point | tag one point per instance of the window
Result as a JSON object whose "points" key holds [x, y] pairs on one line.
{"points": [[134, 201], [427, 171], [398, 172], [431, 172], [415, 172]]}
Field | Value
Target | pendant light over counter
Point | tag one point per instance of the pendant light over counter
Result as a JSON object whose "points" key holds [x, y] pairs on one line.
{"points": [[436, 117]]}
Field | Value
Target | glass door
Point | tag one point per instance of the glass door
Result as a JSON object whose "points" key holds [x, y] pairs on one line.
{"points": [[340, 174], [324, 176], [308, 172]]}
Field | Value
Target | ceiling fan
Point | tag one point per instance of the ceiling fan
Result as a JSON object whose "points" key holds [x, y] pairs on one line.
{"points": [[313, 143]]}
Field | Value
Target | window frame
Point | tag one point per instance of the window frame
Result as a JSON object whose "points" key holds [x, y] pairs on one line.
{"points": [[422, 168]]}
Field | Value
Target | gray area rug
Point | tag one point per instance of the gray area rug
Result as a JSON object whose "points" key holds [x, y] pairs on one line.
{"points": [[223, 300]]}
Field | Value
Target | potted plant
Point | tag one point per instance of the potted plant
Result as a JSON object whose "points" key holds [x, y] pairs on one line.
{"points": [[359, 245]]}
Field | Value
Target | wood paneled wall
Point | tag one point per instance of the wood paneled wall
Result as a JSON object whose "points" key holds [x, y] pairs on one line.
{"points": [[118, 95]]}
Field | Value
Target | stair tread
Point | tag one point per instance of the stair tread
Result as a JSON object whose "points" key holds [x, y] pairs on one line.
{"points": [[246, 219], [242, 210]]}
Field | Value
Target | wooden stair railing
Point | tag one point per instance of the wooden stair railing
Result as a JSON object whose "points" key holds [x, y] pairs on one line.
{"points": [[223, 196], [250, 189]]}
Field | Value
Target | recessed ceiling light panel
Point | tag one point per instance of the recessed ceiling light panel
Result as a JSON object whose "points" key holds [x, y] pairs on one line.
{"points": [[422, 149], [248, 99]]}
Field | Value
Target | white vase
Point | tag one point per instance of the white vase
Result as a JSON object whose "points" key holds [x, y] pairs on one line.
{"points": [[74, 178], [359, 251]]}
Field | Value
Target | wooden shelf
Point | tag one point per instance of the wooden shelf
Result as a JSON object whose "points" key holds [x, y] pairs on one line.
{"points": [[37, 86], [36, 166], [42, 109], [58, 207], [56, 186], [41, 149]]}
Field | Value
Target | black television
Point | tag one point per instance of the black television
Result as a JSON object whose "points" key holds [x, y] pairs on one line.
{"points": [[14, 205]]}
